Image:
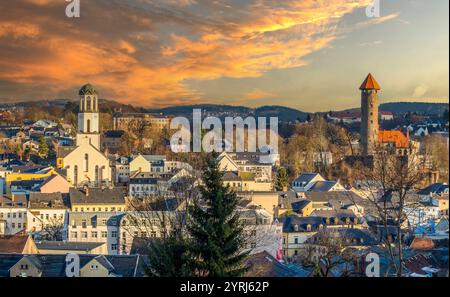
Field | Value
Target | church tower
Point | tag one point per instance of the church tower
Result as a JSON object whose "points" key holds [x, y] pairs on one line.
{"points": [[369, 115], [88, 117]]}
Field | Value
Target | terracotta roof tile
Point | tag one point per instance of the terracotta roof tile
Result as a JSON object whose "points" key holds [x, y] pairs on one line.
{"points": [[370, 83], [395, 136]]}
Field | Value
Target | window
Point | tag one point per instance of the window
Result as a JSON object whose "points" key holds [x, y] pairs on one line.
{"points": [[104, 234], [75, 174], [74, 234], [113, 247], [83, 224], [86, 162], [94, 234], [96, 175], [23, 266], [113, 234], [94, 267], [84, 234]]}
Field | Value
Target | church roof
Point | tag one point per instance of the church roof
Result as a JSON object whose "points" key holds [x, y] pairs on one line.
{"points": [[87, 89], [370, 83]]}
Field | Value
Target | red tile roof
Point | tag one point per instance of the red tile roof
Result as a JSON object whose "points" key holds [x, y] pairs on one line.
{"points": [[13, 244], [370, 83], [394, 136], [424, 243]]}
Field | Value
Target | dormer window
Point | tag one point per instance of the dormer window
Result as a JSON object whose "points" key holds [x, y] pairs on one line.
{"points": [[295, 227], [308, 227]]}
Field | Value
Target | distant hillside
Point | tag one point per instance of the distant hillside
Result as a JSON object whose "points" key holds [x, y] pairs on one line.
{"points": [[412, 107], [285, 114], [419, 107]]}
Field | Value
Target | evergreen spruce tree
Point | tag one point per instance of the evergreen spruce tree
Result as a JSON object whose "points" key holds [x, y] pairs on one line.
{"points": [[282, 180], [168, 258], [216, 232]]}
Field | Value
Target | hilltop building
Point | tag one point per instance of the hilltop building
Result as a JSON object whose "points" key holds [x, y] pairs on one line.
{"points": [[371, 135], [369, 114]]}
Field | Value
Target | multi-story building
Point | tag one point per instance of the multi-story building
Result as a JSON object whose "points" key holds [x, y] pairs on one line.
{"points": [[128, 121], [122, 170], [47, 213], [147, 163], [97, 199], [97, 226], [297, 230], [13, 214], [246, 162], [245, 181]]}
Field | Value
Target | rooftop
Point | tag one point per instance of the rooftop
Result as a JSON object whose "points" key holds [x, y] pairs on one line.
{"points": [[370, 83]]}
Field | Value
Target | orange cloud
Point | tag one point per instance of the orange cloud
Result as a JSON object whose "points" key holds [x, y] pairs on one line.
{"points": [[146, 51]]}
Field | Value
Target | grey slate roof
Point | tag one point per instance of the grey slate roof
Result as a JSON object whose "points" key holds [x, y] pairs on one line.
{"points": [[302, 222], [67, 246], [7, 200], [436, 188], [349, 236], [322, 186], [305, 178], [47, 200], [231, 176], [346, 197], [97, 196], [54, 265], [95, 218], [264, 265]]}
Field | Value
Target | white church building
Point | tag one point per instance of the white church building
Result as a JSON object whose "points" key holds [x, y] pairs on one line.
{"points": [[86, 164]]}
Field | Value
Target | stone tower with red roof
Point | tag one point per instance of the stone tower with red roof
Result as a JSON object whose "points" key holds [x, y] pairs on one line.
{"points": [[369, 114]]}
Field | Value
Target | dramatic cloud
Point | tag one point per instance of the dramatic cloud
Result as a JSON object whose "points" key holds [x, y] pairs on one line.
{"points": [[144, 51]]}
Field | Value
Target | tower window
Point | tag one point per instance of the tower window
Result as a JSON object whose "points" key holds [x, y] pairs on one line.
{"points": [[88, 126], [97, 171], [75, 174], [86, 162]]}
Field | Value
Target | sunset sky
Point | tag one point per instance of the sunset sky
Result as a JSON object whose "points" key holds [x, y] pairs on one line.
{"points": [[306, 54]]}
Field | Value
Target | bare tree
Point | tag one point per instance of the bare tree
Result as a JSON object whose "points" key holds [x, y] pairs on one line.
{"points": [[326, 250], [53, 229], [159, 224], [392, 179]]}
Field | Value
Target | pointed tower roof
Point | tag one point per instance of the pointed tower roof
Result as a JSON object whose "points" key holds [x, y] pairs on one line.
{"points": [[370, 83]]}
